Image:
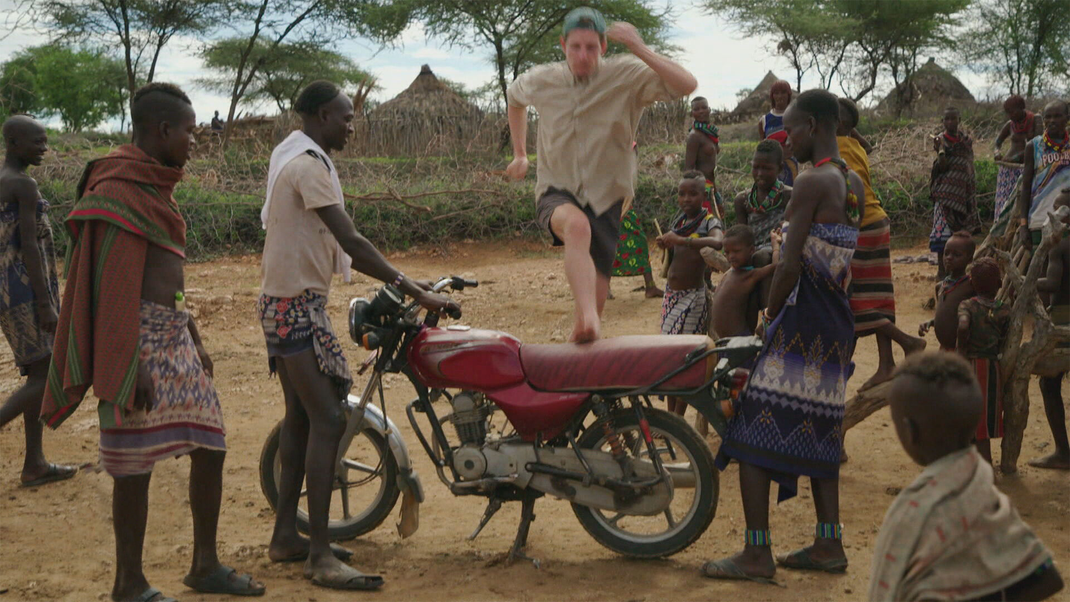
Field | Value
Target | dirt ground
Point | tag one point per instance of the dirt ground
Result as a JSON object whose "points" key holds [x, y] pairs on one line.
{"points": [[57, 541]]}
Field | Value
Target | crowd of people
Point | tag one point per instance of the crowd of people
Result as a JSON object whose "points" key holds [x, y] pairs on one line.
{"points": [[806, 266]]}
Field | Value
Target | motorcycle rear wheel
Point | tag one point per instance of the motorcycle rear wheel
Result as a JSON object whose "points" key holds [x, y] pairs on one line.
{"points": [[673, 437], [372, 476]]}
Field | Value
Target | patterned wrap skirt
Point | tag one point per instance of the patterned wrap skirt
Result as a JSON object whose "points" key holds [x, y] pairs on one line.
{"points": [[185, 413], [684, 312], [295, 324], [633, 254]]}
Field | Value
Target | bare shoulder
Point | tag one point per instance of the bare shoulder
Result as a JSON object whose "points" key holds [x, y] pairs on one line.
{"points": [[17, 186]]}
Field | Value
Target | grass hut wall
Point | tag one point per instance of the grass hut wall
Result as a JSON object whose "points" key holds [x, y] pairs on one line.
{"points": [[426, 118]]}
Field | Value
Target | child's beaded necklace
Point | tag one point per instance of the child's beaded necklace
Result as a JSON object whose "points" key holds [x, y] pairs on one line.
{"points": [[1057, 146]]}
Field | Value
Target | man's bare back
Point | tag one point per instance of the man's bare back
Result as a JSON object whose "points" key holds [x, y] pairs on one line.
{"points": [[728, 312]]}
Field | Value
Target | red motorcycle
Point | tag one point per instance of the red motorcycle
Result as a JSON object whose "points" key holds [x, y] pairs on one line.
{"points": [[572, 421]]}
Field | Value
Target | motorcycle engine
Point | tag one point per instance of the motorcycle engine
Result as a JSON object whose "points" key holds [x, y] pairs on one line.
{"points": [[469, 417]]}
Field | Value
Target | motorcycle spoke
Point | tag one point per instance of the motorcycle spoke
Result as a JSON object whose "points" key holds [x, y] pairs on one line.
{"points": [[668, 517], [613, 521], [345, 503], [354, 465]]}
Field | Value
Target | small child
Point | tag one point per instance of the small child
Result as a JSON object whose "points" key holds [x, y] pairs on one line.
{"points": [[952, 290], [951, 535], [684, 309], [952, 186], [729, 315], [983, 324]]}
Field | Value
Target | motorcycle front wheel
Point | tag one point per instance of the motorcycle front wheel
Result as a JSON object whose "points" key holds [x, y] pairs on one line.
{"points": [[695, 486], [361, 499]]}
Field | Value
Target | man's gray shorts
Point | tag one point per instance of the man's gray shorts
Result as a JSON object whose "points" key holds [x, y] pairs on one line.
{"points": [[605, 228]]}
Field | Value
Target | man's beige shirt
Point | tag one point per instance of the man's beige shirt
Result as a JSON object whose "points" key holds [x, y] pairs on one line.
{"points": [[299, 249], [586, 127]]}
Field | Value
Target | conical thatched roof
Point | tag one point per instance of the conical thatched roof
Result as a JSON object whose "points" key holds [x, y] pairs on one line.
{"points": [[428, 96], [928, 91], [757, 102]]}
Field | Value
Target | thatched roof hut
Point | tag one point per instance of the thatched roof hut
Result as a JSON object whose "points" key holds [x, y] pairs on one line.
{"points": [[427, 117], [928, 91]]}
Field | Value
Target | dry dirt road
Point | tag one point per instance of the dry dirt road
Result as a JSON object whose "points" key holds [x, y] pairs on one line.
{"points": [[56, 542]]}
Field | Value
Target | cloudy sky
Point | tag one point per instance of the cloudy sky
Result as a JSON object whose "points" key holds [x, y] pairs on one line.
{"points": [[721, 58]]}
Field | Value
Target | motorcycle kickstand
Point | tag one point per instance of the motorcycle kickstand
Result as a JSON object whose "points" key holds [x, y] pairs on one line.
{"points": [[527, 514], [493, 506]]}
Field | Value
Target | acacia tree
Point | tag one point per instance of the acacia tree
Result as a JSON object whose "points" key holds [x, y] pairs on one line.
{"points": [[83, 87], [522, 33], [140, 28], [283, 72], [265, 25], [1020, 43]]}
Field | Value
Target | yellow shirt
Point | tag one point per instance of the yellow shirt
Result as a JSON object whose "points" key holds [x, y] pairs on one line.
{"points": [[586, 127], [855, 156]]}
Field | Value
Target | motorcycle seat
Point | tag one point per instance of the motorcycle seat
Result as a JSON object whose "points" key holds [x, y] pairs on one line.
{"points": [[617, 363]]}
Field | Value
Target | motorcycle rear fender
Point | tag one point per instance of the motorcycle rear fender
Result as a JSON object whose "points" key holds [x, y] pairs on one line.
{"points": [[408, 480]]}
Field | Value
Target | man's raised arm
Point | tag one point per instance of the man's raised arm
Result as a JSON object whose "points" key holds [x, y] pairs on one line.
{"points": [[677, 79]]}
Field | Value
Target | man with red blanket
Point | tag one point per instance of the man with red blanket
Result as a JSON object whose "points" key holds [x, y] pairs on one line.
{"points": [[124, 331]]}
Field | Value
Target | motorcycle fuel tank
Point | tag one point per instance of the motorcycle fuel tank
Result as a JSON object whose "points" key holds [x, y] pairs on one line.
{"points": [[483, 360]]}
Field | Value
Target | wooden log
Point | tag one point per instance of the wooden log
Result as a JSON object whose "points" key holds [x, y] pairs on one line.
{"points": [[866, 403]]}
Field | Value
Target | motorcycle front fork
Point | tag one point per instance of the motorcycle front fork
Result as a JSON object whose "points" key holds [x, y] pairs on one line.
{"points": [[619, 443]]}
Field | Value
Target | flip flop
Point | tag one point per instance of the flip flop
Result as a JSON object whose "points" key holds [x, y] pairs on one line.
{"points": [[153, 595], [801, 560], [727, 570], [348, 579], [54, 473], [339, 552], [219, 582]]}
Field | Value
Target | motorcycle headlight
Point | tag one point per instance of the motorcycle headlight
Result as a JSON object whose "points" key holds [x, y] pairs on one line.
{"points": [[358, 314]]}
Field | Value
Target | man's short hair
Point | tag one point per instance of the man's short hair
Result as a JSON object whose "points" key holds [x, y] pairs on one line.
{"points": [[694, 174], [821, 105], [1059, 101], [156, 102], [315, 95], [772, 148], [741, 232], [849, 110], [698, 98], [954, 110], [985, 276], [1014, 102]]}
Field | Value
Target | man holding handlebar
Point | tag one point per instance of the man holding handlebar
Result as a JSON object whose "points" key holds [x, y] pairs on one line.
{"points": [[309, 238]]}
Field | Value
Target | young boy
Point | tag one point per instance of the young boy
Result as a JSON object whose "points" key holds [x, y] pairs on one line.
{"points": [[951, 535], [137, 347], [872, 292], [700, 154], [1057, 284], [952, 290], [684, 310], [983, 324], [1021, 127], [762, 208], [729, 315], [951, 187]]}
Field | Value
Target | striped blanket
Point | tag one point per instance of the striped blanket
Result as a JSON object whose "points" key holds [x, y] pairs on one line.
{"points": [[124, 204]]}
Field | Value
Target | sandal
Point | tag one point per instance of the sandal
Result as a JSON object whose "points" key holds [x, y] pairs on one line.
{"points": [[54, 473], [219, 582], [801, 560], [727, 569], [348, 578], [153, 595], [338, 551]]}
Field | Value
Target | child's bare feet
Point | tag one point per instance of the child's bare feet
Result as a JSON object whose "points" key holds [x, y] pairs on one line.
{"points": [[914, 345], [882, 375], [653, 292], [1054, 461]]}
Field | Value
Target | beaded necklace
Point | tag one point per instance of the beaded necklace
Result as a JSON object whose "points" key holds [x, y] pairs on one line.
{"points": [[768, 202], [1057, 146]]}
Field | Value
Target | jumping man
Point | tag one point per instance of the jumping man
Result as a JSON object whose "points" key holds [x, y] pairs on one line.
{"points": [[589, 109]]}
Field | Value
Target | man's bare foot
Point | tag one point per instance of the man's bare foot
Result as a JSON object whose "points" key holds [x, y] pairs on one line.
{"points": [[914, 345], [653, 292], [586, 330], [1054, 461], [883, 374]]}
